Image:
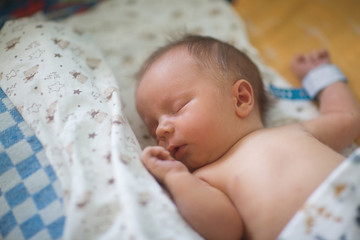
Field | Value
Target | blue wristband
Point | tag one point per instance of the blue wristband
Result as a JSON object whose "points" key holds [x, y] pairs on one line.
{"points": [[315, 81]]}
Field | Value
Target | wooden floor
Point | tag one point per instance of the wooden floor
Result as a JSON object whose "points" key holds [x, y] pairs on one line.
{"points": [[279, 29]]}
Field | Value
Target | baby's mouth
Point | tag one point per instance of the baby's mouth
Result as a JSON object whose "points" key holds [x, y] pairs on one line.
{"points": [[176, 151], [173, 150]]}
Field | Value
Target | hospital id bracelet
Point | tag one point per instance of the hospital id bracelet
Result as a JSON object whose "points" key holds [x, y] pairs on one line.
{"points": [[321, 77]]}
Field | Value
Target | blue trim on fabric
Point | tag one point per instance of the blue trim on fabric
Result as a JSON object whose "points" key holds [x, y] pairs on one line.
{"points": [[289, 93]]}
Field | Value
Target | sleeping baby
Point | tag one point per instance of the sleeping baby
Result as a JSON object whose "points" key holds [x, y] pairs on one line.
{"points": [[204, 102]]}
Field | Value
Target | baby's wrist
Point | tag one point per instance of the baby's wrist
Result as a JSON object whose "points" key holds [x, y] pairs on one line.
{"points": [[321, 77], [175, 177]]}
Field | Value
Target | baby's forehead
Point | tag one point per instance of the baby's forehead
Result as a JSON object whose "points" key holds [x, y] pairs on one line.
{"points": [[180, 55], [174, 51], [173, 58]]}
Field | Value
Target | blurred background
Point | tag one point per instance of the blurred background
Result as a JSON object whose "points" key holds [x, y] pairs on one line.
{"points": [[280, 29]]}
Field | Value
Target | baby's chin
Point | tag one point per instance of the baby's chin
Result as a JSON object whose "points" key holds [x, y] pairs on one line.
{"points": [[193, 167]]}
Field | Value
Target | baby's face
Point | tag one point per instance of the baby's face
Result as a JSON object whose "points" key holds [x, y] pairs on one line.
{"points": [[185, 111]]}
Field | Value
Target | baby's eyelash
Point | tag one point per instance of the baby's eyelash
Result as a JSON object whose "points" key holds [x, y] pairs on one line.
{"points": [[181, 106]]}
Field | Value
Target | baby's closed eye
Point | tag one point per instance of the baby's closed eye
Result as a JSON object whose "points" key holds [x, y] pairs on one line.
{"points": [[181, 105]]}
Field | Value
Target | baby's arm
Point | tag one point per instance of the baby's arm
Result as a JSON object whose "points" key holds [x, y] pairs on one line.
{"points": [[339, 121], [208, 210]]}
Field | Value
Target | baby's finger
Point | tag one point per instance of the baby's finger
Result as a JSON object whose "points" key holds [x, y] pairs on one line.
{"points": [[164, 155], [157, 152]]}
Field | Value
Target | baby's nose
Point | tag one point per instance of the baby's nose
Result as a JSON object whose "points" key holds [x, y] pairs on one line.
{"points": [[164, 129]]}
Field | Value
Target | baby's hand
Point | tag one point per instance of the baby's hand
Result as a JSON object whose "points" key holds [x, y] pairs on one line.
{"points": [[159, 162]]}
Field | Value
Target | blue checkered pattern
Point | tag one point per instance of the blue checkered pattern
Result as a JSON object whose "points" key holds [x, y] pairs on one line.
{"points": [[30, 195]]}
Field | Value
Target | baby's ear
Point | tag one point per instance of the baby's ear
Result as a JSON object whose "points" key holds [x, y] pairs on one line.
{"points": [[243, 95]]}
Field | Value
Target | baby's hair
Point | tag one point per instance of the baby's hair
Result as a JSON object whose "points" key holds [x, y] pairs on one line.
{"points": [[222, 60]]}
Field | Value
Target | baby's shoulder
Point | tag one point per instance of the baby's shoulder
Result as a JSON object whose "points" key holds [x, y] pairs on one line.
{"points": [[277, 136], [274, 145], [289, 130]]}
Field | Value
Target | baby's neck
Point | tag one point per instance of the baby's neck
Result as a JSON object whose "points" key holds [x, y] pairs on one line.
{"points": [[248, 128], [250, 125]]}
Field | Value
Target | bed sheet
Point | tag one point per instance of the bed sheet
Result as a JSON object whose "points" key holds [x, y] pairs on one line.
{"points": [[333, 209]]}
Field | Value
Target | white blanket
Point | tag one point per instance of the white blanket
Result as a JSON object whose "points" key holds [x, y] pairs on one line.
{"points": [[333, 210], [61, 84]]}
